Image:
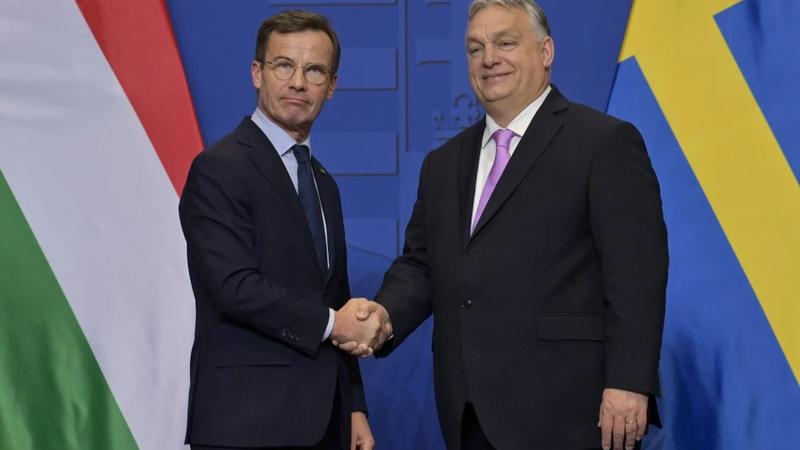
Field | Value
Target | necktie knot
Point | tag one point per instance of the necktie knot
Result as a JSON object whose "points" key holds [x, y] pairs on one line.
{"points": [[301, 152], [502, 138]]}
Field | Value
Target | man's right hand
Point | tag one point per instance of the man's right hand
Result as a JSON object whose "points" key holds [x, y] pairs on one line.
{"points": [[361, 335], [367, 312]]}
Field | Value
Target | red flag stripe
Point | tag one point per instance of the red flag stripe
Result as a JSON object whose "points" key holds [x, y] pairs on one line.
{"points": [[139, 44]]}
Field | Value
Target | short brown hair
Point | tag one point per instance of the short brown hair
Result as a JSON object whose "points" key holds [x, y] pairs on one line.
{"points": [[294, 21]]}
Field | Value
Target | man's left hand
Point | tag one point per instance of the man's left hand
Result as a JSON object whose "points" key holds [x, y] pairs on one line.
{"points": [[360, 434], [623, 418]]}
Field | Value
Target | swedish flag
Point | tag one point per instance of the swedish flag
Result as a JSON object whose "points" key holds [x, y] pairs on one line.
{"points": [[713, 86]]}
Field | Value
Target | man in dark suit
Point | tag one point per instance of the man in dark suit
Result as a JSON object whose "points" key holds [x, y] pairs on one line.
{"points": [[538, 244], [268, 265]]}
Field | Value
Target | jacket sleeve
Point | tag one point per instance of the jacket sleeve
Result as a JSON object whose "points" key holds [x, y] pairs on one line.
{"points": [[405, 288], [629, 232]]}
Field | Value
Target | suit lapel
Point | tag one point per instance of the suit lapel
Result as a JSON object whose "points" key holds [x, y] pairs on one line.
{"points": [[467, 168], [544, 126], [266, 159], [331, 209]]}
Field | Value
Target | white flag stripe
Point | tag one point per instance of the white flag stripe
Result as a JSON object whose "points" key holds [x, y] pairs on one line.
{"points": [[102, 207]]}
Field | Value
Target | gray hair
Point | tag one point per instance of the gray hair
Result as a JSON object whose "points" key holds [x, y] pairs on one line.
{"points": [[535, 12]]}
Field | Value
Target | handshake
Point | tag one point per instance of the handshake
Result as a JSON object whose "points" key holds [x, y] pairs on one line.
{"points": [[360, 327]]}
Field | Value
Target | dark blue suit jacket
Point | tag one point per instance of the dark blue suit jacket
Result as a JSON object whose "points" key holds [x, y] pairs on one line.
{"points": [[259, 374]]}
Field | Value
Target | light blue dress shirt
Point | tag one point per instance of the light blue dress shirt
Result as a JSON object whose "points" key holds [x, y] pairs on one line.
{"points": [[283, 143]]}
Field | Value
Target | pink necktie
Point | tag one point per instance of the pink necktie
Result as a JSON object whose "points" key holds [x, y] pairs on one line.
{"points": [[502, 138]]}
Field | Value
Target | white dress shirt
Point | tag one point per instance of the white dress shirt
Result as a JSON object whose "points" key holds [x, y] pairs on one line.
{"points": [[518, 125]]}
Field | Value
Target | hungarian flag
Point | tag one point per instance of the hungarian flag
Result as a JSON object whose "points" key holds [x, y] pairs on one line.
{"points": [[97, 130]]}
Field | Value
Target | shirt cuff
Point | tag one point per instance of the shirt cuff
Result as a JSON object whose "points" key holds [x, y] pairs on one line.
{"points": [[329, 328]]}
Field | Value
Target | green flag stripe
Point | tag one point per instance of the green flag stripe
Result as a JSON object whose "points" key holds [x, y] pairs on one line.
{"points": [[52, 392]]}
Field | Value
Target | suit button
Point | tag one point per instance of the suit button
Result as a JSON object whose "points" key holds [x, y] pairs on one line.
{"points": [[466, 304]]}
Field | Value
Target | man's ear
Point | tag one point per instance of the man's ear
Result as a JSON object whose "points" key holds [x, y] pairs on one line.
{"points": [[255, 73], [332, 87], [548, 52]]}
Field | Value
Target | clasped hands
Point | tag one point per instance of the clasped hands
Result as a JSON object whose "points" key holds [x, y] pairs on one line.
{"points": [[360, 327]]}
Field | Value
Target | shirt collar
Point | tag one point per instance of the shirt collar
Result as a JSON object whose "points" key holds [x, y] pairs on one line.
{"points": [[520, 123], [280, 139]]}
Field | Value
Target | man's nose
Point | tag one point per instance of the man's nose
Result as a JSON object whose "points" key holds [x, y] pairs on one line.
{"points": [[298, 80], [489, 56]]}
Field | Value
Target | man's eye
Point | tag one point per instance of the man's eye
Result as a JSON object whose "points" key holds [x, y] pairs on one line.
{"points": [[284, 65], [474, 50], [315, 70], [506, 44]]}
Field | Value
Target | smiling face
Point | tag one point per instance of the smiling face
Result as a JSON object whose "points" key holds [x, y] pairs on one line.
{"points": [[294, 103], [508, 61]]}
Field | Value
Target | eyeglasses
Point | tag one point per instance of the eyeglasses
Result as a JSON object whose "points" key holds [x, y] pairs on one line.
{"points": [[285, 69]]}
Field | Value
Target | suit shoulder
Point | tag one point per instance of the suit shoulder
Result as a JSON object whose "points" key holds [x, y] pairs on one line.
{"points": [[228, 151], [227, 147], [601, 133], [590, 120], [458, 143], [225, 159]]}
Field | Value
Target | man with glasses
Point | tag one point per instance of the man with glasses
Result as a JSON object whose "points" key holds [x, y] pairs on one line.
{"points": [[268, 265]]}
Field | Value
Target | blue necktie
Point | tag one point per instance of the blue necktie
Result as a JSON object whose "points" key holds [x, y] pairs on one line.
{"points": [[307, 191]]}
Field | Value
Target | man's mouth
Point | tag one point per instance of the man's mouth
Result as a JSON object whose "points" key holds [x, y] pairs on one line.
{"points": [[494, 76], [295, 100]]}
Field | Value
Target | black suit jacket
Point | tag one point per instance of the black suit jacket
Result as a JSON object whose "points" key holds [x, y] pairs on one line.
{"points": [[259, 374], [557, 294]]}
